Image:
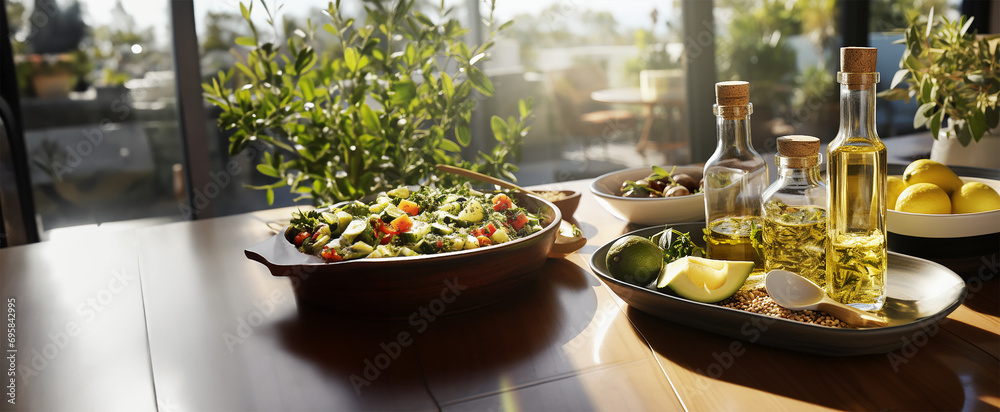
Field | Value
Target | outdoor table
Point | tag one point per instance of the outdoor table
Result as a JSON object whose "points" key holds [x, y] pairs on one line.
{"points": [[176, 318], [633, 96]]}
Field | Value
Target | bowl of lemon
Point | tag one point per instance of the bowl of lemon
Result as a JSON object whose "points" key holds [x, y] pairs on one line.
{"points": [[941, 212]]}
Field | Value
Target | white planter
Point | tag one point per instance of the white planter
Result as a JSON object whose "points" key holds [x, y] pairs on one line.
{"points": [[985, 153]]}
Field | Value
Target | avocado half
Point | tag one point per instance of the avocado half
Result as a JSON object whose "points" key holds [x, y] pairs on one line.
{"points": [[704, 280]]}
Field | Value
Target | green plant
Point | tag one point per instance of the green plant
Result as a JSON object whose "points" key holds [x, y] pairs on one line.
{"points": [[756, 50], [392, 100], [952, 73]]}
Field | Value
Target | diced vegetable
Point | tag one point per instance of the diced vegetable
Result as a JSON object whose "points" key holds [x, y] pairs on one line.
{"points": [[401, 192], [519, 221], [353, 230], [358, 250], [402, 224], [441, 229], [451, 207], [420, 228], [501, 202], [331, 255], [300, 237], [330, 218], [472, 213], [499, 236], [489, 229], [409, 207], [405, 222], [471, 242], [380, 205]]}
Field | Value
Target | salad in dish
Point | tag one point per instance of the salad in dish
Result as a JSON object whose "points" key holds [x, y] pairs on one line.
{"points": [[402, 222]]}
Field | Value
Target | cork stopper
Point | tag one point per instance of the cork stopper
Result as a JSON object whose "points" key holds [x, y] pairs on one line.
{"points": [[798, 146], [857, 67], [858, 59], [734, 93]]}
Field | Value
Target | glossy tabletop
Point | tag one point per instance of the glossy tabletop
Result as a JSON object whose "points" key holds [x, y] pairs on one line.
{"points": [[176, 318]]}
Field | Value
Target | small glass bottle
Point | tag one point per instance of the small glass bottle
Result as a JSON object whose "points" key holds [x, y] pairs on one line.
{"points": [[794, 209], [856, 171], [735, 178]]}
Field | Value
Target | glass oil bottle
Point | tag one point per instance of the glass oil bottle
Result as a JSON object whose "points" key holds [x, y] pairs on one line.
{"points": [[856, 171], [735, 177], [794, 211]]}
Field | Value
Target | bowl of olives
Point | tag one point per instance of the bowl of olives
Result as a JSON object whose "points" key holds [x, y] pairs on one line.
{"points": [[652, 195]]}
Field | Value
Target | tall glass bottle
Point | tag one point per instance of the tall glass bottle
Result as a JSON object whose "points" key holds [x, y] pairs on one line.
{"points": [[794, 209], [735, 177], [856, 170]]}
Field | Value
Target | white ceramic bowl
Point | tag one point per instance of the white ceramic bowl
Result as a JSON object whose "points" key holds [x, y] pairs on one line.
{"points": [[946, 226], [648, 211]]}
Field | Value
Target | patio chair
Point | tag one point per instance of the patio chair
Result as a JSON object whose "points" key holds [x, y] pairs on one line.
{"points": [[577, 116]]}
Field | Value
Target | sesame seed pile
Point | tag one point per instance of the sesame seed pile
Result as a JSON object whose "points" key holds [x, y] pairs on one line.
{"points": [[758, 301]]}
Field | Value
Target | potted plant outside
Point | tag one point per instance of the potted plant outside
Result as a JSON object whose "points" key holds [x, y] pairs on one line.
{"points": [[955, 77], [391, 99]]}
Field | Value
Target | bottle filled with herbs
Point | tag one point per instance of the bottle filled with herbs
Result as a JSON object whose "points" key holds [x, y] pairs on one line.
{"points": [[856, 170], [794, 211], [734, 179]]}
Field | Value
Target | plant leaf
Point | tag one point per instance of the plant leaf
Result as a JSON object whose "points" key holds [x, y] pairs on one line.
{"points": [[447, 85], [963, 132], [977, 124], [246, 41], [965, 28], [403, 92], [480, 81], [351, 58], [935, 126], [463, 134], [499, 127], [898, 78], [894, 94], [920, 118], [369, 119], [267, 170], [307, 88], [449, 146]]}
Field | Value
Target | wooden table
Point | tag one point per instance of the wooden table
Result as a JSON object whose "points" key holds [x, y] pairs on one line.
{"points": [[633, 96], [175, 318]]}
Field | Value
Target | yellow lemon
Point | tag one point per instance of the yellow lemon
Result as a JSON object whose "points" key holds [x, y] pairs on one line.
{"points": [[893, 187], [975, 197], [924, 198], [929, 171]]}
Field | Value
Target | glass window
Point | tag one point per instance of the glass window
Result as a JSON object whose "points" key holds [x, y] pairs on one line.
{"points": [[100, 120], [562, 52], [787, 50], [895, 118]]}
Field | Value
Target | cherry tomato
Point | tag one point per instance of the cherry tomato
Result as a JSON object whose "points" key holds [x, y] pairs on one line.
{"points": [[300, 237], [331, 255]]}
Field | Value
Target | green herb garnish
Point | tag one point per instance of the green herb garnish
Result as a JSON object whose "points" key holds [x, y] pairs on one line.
{"points": [[676, 244]]}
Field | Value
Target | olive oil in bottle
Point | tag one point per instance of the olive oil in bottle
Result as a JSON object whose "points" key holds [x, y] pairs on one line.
{"points": [[735, 177], [856, 169], [794, 208]]}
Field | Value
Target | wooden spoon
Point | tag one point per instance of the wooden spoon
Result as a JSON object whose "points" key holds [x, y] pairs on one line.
{"points": [[484, 178]]}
